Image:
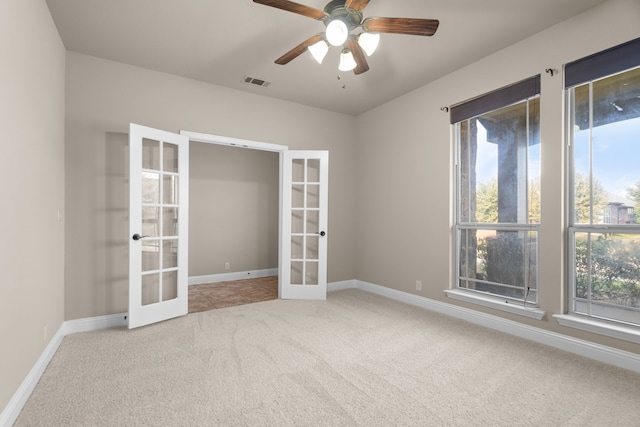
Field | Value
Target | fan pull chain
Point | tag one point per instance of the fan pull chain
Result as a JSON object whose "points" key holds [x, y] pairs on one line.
{"points": [[344, 85]]}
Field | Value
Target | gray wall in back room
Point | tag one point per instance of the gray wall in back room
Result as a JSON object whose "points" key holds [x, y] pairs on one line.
{"points": [[233, 209]]}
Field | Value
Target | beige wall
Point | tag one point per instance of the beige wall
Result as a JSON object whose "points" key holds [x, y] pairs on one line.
{"points": [[390, 176], [104, 96], [32, 163], [404, 178], [233, 209]]}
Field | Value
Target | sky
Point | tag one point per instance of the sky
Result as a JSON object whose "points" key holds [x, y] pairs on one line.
{"points": [[487, 158], [616, 156]]}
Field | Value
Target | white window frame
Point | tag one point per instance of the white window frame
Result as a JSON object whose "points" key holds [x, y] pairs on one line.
{"points": [[589, 321], [615, 60], [520, 307]]}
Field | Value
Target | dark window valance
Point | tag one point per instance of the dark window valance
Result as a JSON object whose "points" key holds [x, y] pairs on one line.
{"points": [[498, 98], [601, 64]]}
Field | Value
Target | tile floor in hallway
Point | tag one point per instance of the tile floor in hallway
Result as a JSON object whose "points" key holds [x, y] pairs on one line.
{"points": [[227, 294]]}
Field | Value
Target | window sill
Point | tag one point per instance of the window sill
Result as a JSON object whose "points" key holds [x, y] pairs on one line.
{"points": [[626, 333], [495, 303]]}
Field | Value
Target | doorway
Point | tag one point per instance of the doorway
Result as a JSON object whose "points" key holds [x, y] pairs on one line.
{"points": [[233, 233]]}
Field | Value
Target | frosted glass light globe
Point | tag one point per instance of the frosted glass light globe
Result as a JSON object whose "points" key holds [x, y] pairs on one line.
{"points": [[369, 42], [337, 32], [319, 50], [347, 62]]}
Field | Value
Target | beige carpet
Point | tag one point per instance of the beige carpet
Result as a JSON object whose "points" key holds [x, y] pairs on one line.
{"points": [[355, 359]]}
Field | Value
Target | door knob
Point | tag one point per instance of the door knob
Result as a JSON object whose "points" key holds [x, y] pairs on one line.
{"points": [[138, 237]]}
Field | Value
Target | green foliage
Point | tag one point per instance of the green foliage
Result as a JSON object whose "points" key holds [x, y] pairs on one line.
{"points": [[534, 202], [634, 193], [584, 200], [487, 202], [615, 270]]}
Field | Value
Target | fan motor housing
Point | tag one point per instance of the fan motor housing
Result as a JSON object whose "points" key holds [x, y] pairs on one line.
{"points": [[336, 9]]}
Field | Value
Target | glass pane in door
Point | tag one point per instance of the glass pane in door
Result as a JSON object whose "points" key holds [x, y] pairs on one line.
{"points": [[169, 285], [150, 255], [169, 157], [150, 221], [170, 253], [313, 222], [313, 170], [170, 221], [297, 271], [170, 190], [297, 245], [297, 170], [313, 195], [297, 196], [150, 289], [159, 221], [305, 202], [312, 248], [311, 275], [150, 154], [297, 221], [150, 187]]}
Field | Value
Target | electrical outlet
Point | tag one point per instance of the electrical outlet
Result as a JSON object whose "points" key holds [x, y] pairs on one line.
{"points": [[418, 285], [227, 266]]}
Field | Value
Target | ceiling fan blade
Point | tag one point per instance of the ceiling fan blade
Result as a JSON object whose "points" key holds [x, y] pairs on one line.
{"points": [[290, 6], [357, 4], [298, 50], [359, 56], [411, 26]]}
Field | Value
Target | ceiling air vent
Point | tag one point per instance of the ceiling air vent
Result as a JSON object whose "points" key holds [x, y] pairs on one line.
{"points": [[254, 81]]}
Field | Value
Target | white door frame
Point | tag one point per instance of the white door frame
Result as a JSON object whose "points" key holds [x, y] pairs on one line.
{"points": [[252, 145], [309, 292], [286, 290]]}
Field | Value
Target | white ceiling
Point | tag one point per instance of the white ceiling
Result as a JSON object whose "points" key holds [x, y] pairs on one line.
{"points": [[220, 42]]}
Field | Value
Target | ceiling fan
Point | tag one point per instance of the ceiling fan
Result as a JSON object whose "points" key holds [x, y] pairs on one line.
{"points": [[341, 18]]}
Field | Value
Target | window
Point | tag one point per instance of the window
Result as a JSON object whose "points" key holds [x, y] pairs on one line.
{"points": [[603, 98], [497, 140]]}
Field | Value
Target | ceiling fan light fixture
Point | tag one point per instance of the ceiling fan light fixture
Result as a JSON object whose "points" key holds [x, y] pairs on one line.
{"points": [[369, 42], [337, 32], [319, 50], [347, 62]]}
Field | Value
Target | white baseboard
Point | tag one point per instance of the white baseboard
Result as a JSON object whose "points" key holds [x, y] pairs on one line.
{"points": [[610, 355], [10, 413], [226, 277], [339, 286], [95, 323]]}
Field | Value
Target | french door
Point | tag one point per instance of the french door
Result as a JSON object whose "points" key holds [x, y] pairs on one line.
{"points": [[158, 225], [304, 198], [158, 222]]}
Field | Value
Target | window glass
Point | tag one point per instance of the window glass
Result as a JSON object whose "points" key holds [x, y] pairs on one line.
{"points": [[498, 201], [605, 191]]}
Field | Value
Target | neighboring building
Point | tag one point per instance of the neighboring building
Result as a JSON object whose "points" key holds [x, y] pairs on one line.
{"points": [[618, 210], [618, 213]]}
